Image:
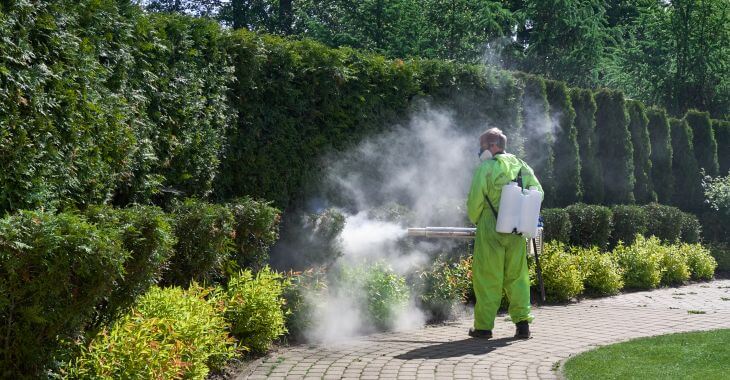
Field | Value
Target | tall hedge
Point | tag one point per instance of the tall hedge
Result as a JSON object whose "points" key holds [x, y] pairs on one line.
{"points": [[661, 154], [638, 121], [688, 193], [722, 135], [569, 188], [703, 139], [585, 123], [538, 133], [615, 147]]}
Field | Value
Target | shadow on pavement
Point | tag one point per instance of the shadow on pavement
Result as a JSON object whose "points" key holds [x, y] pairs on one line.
{"points": [[463, 347]]}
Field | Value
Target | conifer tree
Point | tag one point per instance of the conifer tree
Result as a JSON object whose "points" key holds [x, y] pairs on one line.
{"points": [[661, 154], [643, 189], [615, 148], [569, 189]]}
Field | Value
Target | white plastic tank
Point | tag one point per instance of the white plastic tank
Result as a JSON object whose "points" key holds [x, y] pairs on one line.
{"points": [[510, 207], [530, 212]]}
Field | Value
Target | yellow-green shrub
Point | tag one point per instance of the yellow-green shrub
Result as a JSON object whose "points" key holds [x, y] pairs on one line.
{"points": [[701, 263], [171, 334], [601, 273], [641, 262], [560, 273], [253, 305], [675, 270]]}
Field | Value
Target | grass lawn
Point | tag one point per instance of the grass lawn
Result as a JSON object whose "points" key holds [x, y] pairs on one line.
{"points": [[699, 355]]}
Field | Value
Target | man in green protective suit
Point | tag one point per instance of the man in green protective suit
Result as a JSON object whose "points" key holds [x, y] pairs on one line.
{"points": [[500, 260]]}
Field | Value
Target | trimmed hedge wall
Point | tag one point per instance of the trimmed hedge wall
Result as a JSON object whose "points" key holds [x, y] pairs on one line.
{"points": [[703, 139], [568, 188], [638, 121], [688, 193], [615, 147], [585, 123], [661, 154]]}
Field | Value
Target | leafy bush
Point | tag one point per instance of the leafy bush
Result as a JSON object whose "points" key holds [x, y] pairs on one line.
{"points": [[146, 233], [54, 269], [641, 262], [464, 282], [700, 261], [690, 229], [301, 290], [256, 226], [627, 222], [557, 226], [664, 222], [170, 334], [675, 270], [591, 225], [721, 253], [560, 273], [601, 273], [204, 243], [440, 289], [253, 306], [382, 293], [315, 237]]}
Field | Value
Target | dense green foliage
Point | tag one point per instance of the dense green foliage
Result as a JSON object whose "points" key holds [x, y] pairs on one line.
{"points": [[146, 233], [54, 269], [699, 260], [381, 293], [615, 147], [253, 306], [301, 288], [560, 272], [440, 291], [591, 225], [641, 262], [585, 123], [569, 188], [661, 154], [704, 142], [638, 121], [685, 170], [557, 225], [539, 137], [664, 222], [699, 355], [721, 129], [601, 273], [170, 334], [627, 222]]}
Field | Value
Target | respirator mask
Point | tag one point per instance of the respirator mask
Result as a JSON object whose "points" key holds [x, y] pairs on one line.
{"points": [[485, 155]]}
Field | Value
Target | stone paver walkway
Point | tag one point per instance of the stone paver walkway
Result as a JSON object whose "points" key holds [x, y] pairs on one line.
{"points": [[446, 352]]}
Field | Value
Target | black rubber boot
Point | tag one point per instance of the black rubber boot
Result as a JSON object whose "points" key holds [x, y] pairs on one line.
{"points": [[481, 334], [523, 330]]}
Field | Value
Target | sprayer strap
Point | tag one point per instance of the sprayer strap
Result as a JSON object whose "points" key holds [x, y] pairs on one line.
{"points": [[492, 207]]}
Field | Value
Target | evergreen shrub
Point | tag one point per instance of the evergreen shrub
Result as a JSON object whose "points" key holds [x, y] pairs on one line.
{"points": [[440, 290], [688, 194], [253, 305], [675, 270], [256, 225], [585, 123], [701, 263], [664, 222], [54, 270], [205, 240], [641, 262], [556, 225], [703, 139], [171, 333], [560, 273], [721, 130], [567, 165], [721, 253], [628, 221], [638, 122], [601, 273], [381, 293], [301, 291], [591, 225], [145, 232], [661, 154], [690, 230], [615, 147]]}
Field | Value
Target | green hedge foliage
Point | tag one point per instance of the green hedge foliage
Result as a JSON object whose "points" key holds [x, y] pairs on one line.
{"points": [[661, 154], [601, 273], [253, 305], [615, 147], [721, 129], [145, 232], [688, 193], [721, 253], [382, 293], [628, 221], [700, 261], [591, 225], [439, 289], [675, 270], [569, 188], [585, 123], [664, 222], [560, 272], [557, 225], [703, 139], [300, 291], [54, 270], [641, 262], [170, 334], [638, 121]]}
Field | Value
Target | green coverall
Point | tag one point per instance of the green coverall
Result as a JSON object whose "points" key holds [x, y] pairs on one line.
{"points": [[500, 260]]}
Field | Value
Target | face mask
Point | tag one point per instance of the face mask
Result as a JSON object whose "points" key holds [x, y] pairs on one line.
{"points": [[485, 155]]}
